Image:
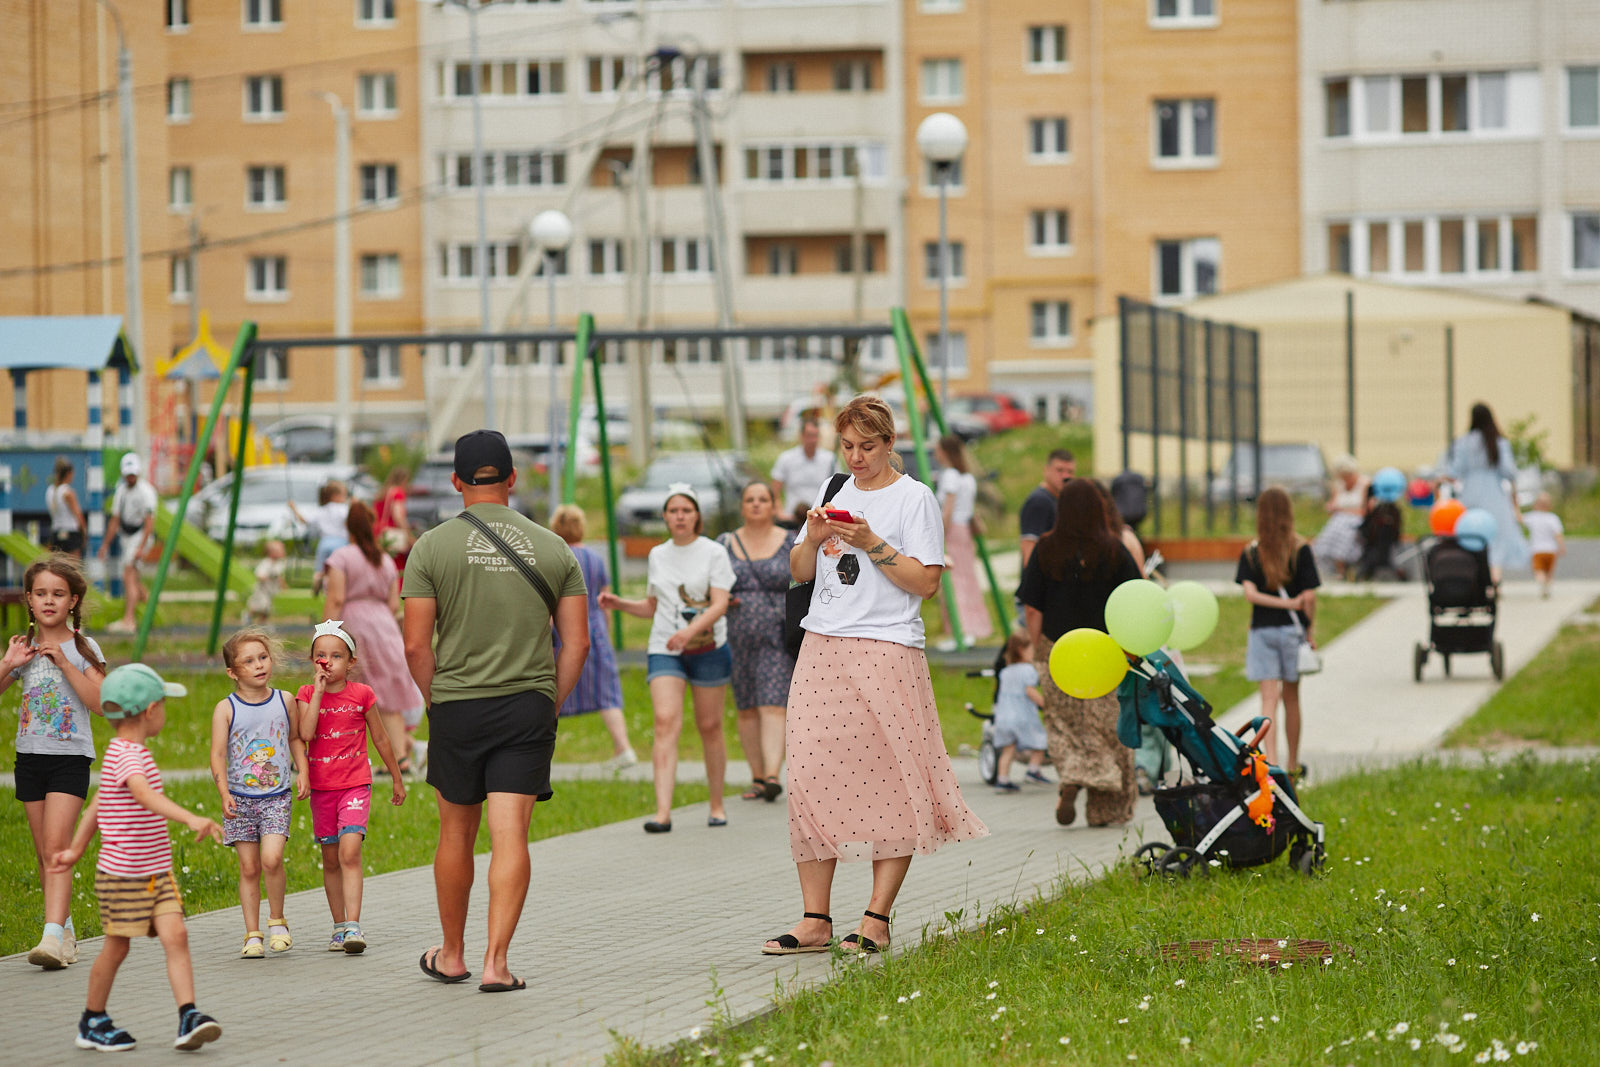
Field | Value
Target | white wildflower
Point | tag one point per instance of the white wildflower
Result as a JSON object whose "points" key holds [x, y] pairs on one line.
{"points": [[1064, 1040], [1468, 1016], [1183, 1041], [1535, 916], [915, 993], [1001, 1010], [1122, 1022], [1144, 1005], [695, 1033], [1449, 962], [1040, 930], [902, 1000], [883, 1018], [1002, 930], [1522, 1048], [1401, 1027], [1501, 1055], [1180, 983], [994, 985], [1482, 1057], [1286, 965], [989, 997], [1415, 1043]]}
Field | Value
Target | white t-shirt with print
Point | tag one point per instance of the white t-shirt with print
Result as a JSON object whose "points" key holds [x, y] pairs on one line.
{"points": [[1543, 529], [801, 475], [964, 487], [681, 578], [53, 720], [852, 597]]}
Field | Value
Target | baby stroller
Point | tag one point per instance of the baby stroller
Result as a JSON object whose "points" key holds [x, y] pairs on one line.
{"points": [[1235, 808], [1461, 606]]}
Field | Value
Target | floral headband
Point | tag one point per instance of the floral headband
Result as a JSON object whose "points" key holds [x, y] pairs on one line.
{"points": [[333, 628]]}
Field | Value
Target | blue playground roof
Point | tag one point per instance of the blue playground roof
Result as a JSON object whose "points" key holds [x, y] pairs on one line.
{"points": [[72, 342]]}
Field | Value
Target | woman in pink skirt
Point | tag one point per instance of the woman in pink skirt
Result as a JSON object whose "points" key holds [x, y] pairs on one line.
{"points": [[364, 591], [869, 777]]}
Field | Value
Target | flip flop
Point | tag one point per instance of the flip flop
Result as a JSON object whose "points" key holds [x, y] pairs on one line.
{"points": [[503, 987], [437, 975]]}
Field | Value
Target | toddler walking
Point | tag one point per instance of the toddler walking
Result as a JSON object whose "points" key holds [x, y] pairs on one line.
{"points": [[269, 583], [133, 876], [1546, 540], [255, 747], [1017, 727], [335, 717]]}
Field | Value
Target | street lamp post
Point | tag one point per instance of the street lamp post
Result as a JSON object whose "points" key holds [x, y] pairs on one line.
{"points": [[132, 258], [552, 233], [343, 447], [942, 138], [481, 253]]}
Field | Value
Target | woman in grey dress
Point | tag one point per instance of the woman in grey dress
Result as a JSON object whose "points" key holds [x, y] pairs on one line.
{"points": [[762, 666]]}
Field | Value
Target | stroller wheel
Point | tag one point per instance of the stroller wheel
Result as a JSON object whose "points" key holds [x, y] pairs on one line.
{"points": [[1180, 862], [1497, 661], [1419, 659], [988, 759], [1150, 856]]}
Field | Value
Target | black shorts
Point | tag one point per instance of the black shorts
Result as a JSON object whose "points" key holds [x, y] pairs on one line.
{"points": [[39, 773], [492, 745], [67, 541]]}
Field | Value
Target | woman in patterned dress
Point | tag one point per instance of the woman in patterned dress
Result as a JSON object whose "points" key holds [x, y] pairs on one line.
{"points": [[599, 687], [762, 665]]}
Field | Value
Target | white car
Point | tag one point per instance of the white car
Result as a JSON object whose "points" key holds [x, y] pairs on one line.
{"points": [[264, 500]]}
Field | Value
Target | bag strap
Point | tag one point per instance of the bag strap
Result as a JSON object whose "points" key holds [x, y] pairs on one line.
{"points": [[835, 484], [534, 578], [735, 535], [1294, 616]]}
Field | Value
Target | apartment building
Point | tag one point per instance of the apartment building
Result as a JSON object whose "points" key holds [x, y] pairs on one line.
{"points": [[588, 108], [1144, 148], [1454, 143]]}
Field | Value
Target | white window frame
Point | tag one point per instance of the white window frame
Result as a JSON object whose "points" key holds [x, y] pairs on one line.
{"points": [[1054, 225], [272, 179], [270, 86], [1188, 287], [371, 13], [613, 258], [180, 100], [269, 16], [843, 162], [683, 250], [958, 353], [1054, 133], [783, 259], [383, 269], [1045, 48], [385, 180], [616, 71], [1050, 324], [1570, 252], [1188, 158], [547, 66], [180, 279], [177, 12], [1185, 17], [1382, 94], [780, 77], [274, 271], [930, 264], [1586, 130], [377, 95], [945, 76], [1502, 223], [180, 180], [459, 262], [855, 74], [272, 372], [940, 7], [380, 367], [844, 256]]}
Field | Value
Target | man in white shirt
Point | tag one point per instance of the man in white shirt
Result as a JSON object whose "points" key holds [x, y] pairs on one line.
{"points": [[132, 528], [798, 473]]}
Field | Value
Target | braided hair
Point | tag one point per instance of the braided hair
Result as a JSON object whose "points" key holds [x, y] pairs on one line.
{"points": [[66, 568]]}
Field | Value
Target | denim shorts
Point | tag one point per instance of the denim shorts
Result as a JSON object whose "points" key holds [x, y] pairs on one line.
{"points": [[704, 669], [1273, 652]]}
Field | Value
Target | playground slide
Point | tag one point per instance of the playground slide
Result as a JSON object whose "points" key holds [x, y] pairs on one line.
{"points": [[16, 545], [204, 554]]}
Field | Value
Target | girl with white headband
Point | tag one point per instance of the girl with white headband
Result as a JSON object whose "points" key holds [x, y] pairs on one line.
{"points": [[335, 716]]}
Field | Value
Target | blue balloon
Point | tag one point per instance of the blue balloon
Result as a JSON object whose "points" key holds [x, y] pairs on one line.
{"points": [[1476, 529], [1389, 485]]}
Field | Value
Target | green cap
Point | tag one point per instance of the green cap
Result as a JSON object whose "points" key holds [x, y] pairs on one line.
{"points": [[132, 688]]}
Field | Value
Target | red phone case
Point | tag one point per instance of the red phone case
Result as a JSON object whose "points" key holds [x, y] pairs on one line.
{"points": [[838, 516]]}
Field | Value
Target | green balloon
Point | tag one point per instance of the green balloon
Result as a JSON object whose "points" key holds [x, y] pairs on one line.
{"points": [[1194, 615], [1139, 616]]}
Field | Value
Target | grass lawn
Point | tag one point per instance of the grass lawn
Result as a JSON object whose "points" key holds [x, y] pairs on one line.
{"points": [[1554, 700], [1456, 892], [399, 838]]}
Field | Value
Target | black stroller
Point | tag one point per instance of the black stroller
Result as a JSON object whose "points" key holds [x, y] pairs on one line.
{"points": [[1461, 606], [1235, 808]]}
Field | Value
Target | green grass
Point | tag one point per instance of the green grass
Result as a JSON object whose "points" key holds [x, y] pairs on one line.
{"points": [[1554, 700], [208, 874], [1456, 892]]}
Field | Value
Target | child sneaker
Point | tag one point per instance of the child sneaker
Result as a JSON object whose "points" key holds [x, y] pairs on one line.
{"points": [[1039, 777], [98, 1032], [336, 942], [354, 943], [195, 1028], [1007, 787], [47, 953]]}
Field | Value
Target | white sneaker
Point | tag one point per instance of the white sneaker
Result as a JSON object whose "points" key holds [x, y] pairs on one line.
{"points": [[947, 645], [47, 953], [419, 757], [621, 761], [69, 947]]}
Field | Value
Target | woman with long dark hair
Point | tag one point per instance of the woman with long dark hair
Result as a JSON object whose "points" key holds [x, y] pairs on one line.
{"points": [[364, 591], [1065, 585], [1485, 472]]}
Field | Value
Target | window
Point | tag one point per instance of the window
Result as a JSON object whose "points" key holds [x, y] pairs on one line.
{"points": [[955, 356], [780, 77], [267, 278], [1524, 243], [930, 262], [180, 189], [1047, 47], [783, 259], [939, 7], [263, 97], [374, 12], [682, 255], [953, 172], [180, 279], [1414, 104], [509, 170], [844, 260], [458, 262], [1378, 247], [852, 76], [1339, 249], [1378, 94], [1452, 246], [816, 162], [380, 183], [380, 365], [1586, 241], [1453, 103], [263, 14], [1050, 231], [1583, 98], [380, 275], [547, 265], [376, 95], [177, 16], [1047, 138], [1187, 268], [266, 188], [178, 108], [1446, 248], [1179, 13], [273, 370], [1050, 322], [606, 257], [1492, 103], [1186, 131], [1414, 241], [546, 77], [1336, 98], [609, 74], [941, 80]]}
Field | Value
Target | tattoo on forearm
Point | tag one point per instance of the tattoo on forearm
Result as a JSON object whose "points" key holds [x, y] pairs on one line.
{"points": [[887, 561], [879, 547]]}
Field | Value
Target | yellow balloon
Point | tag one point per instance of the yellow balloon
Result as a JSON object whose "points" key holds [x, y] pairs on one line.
{"points": [[1087, 663]]}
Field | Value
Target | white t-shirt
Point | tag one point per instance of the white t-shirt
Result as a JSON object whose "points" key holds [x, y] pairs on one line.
{"points": [[852, 598], [1543, 529], [802, 477], [681, 578], [964, 487], [329, 519], [130, 507]]}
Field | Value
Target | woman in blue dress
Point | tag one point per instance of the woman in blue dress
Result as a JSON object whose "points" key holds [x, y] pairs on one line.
{"points": [[599, 687], [1480, 461]]}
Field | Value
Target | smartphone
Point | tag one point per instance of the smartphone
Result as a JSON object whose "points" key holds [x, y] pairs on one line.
{"points": [[838, 516]]}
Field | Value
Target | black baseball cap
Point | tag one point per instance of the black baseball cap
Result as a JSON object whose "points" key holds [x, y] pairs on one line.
{"points": [[482, 448]]}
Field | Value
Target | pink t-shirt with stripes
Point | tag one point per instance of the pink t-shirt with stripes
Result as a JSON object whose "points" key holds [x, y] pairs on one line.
{"points": [[133, 839]]}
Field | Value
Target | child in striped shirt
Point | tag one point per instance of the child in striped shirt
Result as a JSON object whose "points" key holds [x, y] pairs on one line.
{"points": [[133, 876]]}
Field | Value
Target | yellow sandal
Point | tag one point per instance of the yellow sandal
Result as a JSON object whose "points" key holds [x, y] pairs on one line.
{"points": [[279, 942], [252, 952]]}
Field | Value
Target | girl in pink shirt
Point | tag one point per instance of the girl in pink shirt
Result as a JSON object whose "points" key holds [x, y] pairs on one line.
{"points": [[335, 716]]}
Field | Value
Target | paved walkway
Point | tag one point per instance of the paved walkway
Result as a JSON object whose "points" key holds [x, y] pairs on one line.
{"points": [[632, 934]]}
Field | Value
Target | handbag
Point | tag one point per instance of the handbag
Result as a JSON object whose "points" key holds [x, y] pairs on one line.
{"points": [[1307, 659], [798, 600]]}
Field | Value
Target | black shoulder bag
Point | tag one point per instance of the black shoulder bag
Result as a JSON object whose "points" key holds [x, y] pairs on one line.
{"points": [[535, 579], [798, 600]]}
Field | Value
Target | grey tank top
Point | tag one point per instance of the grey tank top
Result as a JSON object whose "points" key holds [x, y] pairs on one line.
{"points": [[259, 761]]}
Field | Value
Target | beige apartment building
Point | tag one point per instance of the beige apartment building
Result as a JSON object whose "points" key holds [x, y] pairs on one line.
{"points": [[1147, 148]]}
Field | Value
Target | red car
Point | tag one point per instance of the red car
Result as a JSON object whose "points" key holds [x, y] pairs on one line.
{"points": [[984, 413]]}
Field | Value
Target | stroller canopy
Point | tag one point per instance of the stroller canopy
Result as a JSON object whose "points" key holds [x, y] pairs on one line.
{"points": [[1156, 693]]}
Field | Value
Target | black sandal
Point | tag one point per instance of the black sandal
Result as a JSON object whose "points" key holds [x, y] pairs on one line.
{"points": [[771, 790], [861, 942], [789, 945], [757, 791]]}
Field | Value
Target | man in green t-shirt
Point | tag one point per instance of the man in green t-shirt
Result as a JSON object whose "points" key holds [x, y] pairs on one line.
{"points": [[478, 642]]}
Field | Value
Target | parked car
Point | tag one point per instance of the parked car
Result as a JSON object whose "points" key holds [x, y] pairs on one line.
{"points": [[984, 413], [431, 499], [310, 438], [264, 500], [663, 430], [1297, 468], [716, 477]]}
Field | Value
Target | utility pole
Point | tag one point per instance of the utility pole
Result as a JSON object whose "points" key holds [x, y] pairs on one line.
{"points": [[485, 352], [711, 183], [343, 447], [132, 258]]}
